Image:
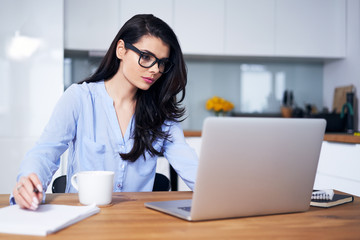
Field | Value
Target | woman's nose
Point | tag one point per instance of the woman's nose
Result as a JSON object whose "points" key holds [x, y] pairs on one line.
{"points": [[154, 68]]}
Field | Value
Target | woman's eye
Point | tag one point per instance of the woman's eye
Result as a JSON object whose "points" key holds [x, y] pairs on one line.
{"points": [[163, 64], [146, 57]]}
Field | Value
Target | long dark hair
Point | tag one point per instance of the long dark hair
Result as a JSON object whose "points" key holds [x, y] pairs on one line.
{"points": [[159, 103]]}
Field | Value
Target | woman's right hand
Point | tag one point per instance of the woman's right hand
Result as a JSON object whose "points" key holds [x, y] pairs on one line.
{"points": [[28, 192]]}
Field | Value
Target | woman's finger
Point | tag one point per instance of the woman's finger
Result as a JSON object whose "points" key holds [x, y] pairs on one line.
{"points": [[26, 190], [38, 189], [19, 199], [36, 182]]}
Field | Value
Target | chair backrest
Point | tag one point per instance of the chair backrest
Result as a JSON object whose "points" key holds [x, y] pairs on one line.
{"points": [[59, 184], [161, 183]]}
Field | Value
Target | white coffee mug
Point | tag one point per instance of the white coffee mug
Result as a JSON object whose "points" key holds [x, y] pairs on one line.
{"points": [[94, 187]]}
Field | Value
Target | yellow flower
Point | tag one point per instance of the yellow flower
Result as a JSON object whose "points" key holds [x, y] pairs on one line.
{"points": [[209, 105], [218, 104]]}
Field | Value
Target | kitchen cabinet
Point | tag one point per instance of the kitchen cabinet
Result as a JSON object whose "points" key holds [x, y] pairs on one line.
{"points": [[250, 27], [160, 8], [286, 28], [199, 26], [338, 167], [265, 28], [90, 25], [310, 28], [268, 28]]}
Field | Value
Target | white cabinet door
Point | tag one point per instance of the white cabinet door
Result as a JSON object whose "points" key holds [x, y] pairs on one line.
{"points": [[162, 9], [250, 27], [310, 28], [199, 26], [90, 25]]}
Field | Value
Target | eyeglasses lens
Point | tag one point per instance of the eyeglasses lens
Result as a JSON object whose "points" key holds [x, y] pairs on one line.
{"points": [[147, 60]]}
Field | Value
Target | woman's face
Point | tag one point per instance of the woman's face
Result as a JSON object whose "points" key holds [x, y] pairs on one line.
{"points": [[131, 71]]}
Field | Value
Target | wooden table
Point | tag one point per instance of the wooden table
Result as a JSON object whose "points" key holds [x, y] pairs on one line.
{"points": [[127, 218]]}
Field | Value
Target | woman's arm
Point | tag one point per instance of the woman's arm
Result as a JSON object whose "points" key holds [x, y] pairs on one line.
{"points": [[181, 156], [42, 161]]}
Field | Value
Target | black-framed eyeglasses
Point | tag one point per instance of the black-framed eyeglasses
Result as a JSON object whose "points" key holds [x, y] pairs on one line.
{"points": [[147, 59]]}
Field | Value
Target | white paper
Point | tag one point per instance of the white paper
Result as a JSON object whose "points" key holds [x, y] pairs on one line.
{"points": [[47, 219]]}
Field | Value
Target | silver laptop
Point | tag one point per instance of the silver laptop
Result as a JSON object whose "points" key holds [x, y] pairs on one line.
{"points": [[250, 167]]}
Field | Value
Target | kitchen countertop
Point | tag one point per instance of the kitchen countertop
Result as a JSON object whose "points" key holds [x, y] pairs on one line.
{"points": [[330, 137], [341, 137]]}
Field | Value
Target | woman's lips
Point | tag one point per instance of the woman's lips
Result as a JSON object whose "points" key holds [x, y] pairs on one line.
{"points": [[148, 80]]}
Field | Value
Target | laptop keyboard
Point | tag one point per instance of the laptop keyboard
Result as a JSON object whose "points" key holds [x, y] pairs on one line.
{"points": [[188, 209]]}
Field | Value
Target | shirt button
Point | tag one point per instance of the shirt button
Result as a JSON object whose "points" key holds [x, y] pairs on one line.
{"points": [[122, 147], [123, 166], [119, 185]]}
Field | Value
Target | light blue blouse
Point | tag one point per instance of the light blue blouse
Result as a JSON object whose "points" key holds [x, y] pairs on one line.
{"points": [[84, 120]]}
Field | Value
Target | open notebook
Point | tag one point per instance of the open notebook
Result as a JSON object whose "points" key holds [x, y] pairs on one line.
{"points": [[252, 166], [48, 218]]}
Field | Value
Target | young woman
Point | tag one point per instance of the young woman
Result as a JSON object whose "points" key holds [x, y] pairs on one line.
{"points": [[120, 119]]}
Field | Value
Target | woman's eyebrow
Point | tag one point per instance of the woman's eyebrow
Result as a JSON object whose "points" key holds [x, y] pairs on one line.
{"points": [[147, 51]]}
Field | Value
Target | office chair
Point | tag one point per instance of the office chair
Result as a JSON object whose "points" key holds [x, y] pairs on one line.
{"points": [[59, 184], [161, 183]]}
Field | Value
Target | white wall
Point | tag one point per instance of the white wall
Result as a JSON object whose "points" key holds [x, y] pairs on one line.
{"points": [[347, 71], [29, 85]]}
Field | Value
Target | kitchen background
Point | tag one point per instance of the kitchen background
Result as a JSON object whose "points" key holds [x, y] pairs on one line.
{"points": [[247, 51], [253, 86]]}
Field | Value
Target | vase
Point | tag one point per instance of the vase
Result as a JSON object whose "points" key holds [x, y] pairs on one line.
{"points": [[220, 114]]}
